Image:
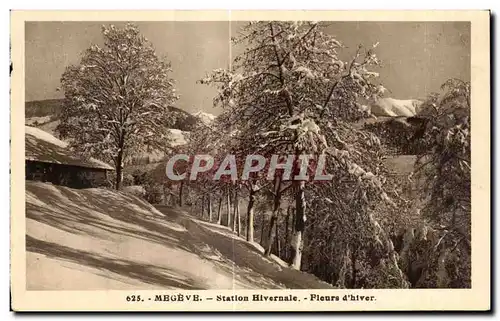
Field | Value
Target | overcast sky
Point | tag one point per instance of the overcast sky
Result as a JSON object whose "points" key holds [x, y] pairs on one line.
{"points": [[417, 56]]}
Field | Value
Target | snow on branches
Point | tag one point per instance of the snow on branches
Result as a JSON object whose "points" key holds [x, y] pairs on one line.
{"points": [[289, 92], [118, 97]]}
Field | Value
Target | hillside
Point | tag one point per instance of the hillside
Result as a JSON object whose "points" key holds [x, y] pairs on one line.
{"points": [[102, 239], [45, 112], [206, 118], [41, 108]]}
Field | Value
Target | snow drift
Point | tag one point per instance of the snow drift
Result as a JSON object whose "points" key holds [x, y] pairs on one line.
{"points": [[98, 239]]}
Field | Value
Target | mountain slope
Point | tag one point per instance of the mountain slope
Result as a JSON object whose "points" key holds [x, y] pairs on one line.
{"points": [[102, 239], [47, 111], [41, 108], [205, 118], [391, 107], [44, 114]]}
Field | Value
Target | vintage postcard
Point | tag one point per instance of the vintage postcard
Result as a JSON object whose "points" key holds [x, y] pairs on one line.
{"points": [[250, 161]]}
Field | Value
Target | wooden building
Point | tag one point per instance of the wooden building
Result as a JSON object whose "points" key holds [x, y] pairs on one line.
{"points": [[48, 159]]}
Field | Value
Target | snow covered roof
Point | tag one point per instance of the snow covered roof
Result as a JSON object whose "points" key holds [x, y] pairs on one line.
{"points": [[43, 147]]}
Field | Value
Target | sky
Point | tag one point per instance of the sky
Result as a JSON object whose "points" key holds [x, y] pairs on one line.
{"points": [[417, 57]]}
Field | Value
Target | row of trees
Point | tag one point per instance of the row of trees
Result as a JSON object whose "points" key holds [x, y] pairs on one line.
{"points": [[290, 93]]}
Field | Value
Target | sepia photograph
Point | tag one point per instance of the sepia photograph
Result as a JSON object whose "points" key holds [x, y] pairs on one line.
{"points": [[251, 154]]}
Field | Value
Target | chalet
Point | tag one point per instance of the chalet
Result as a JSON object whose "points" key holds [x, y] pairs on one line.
{"points": [[49, 159]]}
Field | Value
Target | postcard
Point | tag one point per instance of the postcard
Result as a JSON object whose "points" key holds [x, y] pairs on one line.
{"points": [[250, 161]]}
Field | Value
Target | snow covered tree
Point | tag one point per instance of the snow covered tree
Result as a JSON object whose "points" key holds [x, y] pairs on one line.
{"points": [[349, 241], [287, 90], [436, 248], [213, 139], [117, 99], [445, 175]]}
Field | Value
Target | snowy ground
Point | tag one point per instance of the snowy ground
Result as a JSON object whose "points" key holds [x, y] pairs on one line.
{"points": [[98, 239], [33, 121]]}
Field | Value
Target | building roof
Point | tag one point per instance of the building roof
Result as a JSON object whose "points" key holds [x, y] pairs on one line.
{"points": [[41, 146]]}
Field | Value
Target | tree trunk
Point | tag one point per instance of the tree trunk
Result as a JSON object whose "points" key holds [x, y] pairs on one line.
{"points": [[287, 233], [165, 195], [353, 268], [277, 238], [202, 206], [271, 233], [262, 230], [181, 188], [238, 216], [300, 220], [219, 211], [228, 222], [119, 169], [209, 208], [235, 206], [251, 200]]}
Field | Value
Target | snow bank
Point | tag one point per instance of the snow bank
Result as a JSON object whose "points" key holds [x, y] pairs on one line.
{"points": [[114, 240], [136, 190], [37, 120]]}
